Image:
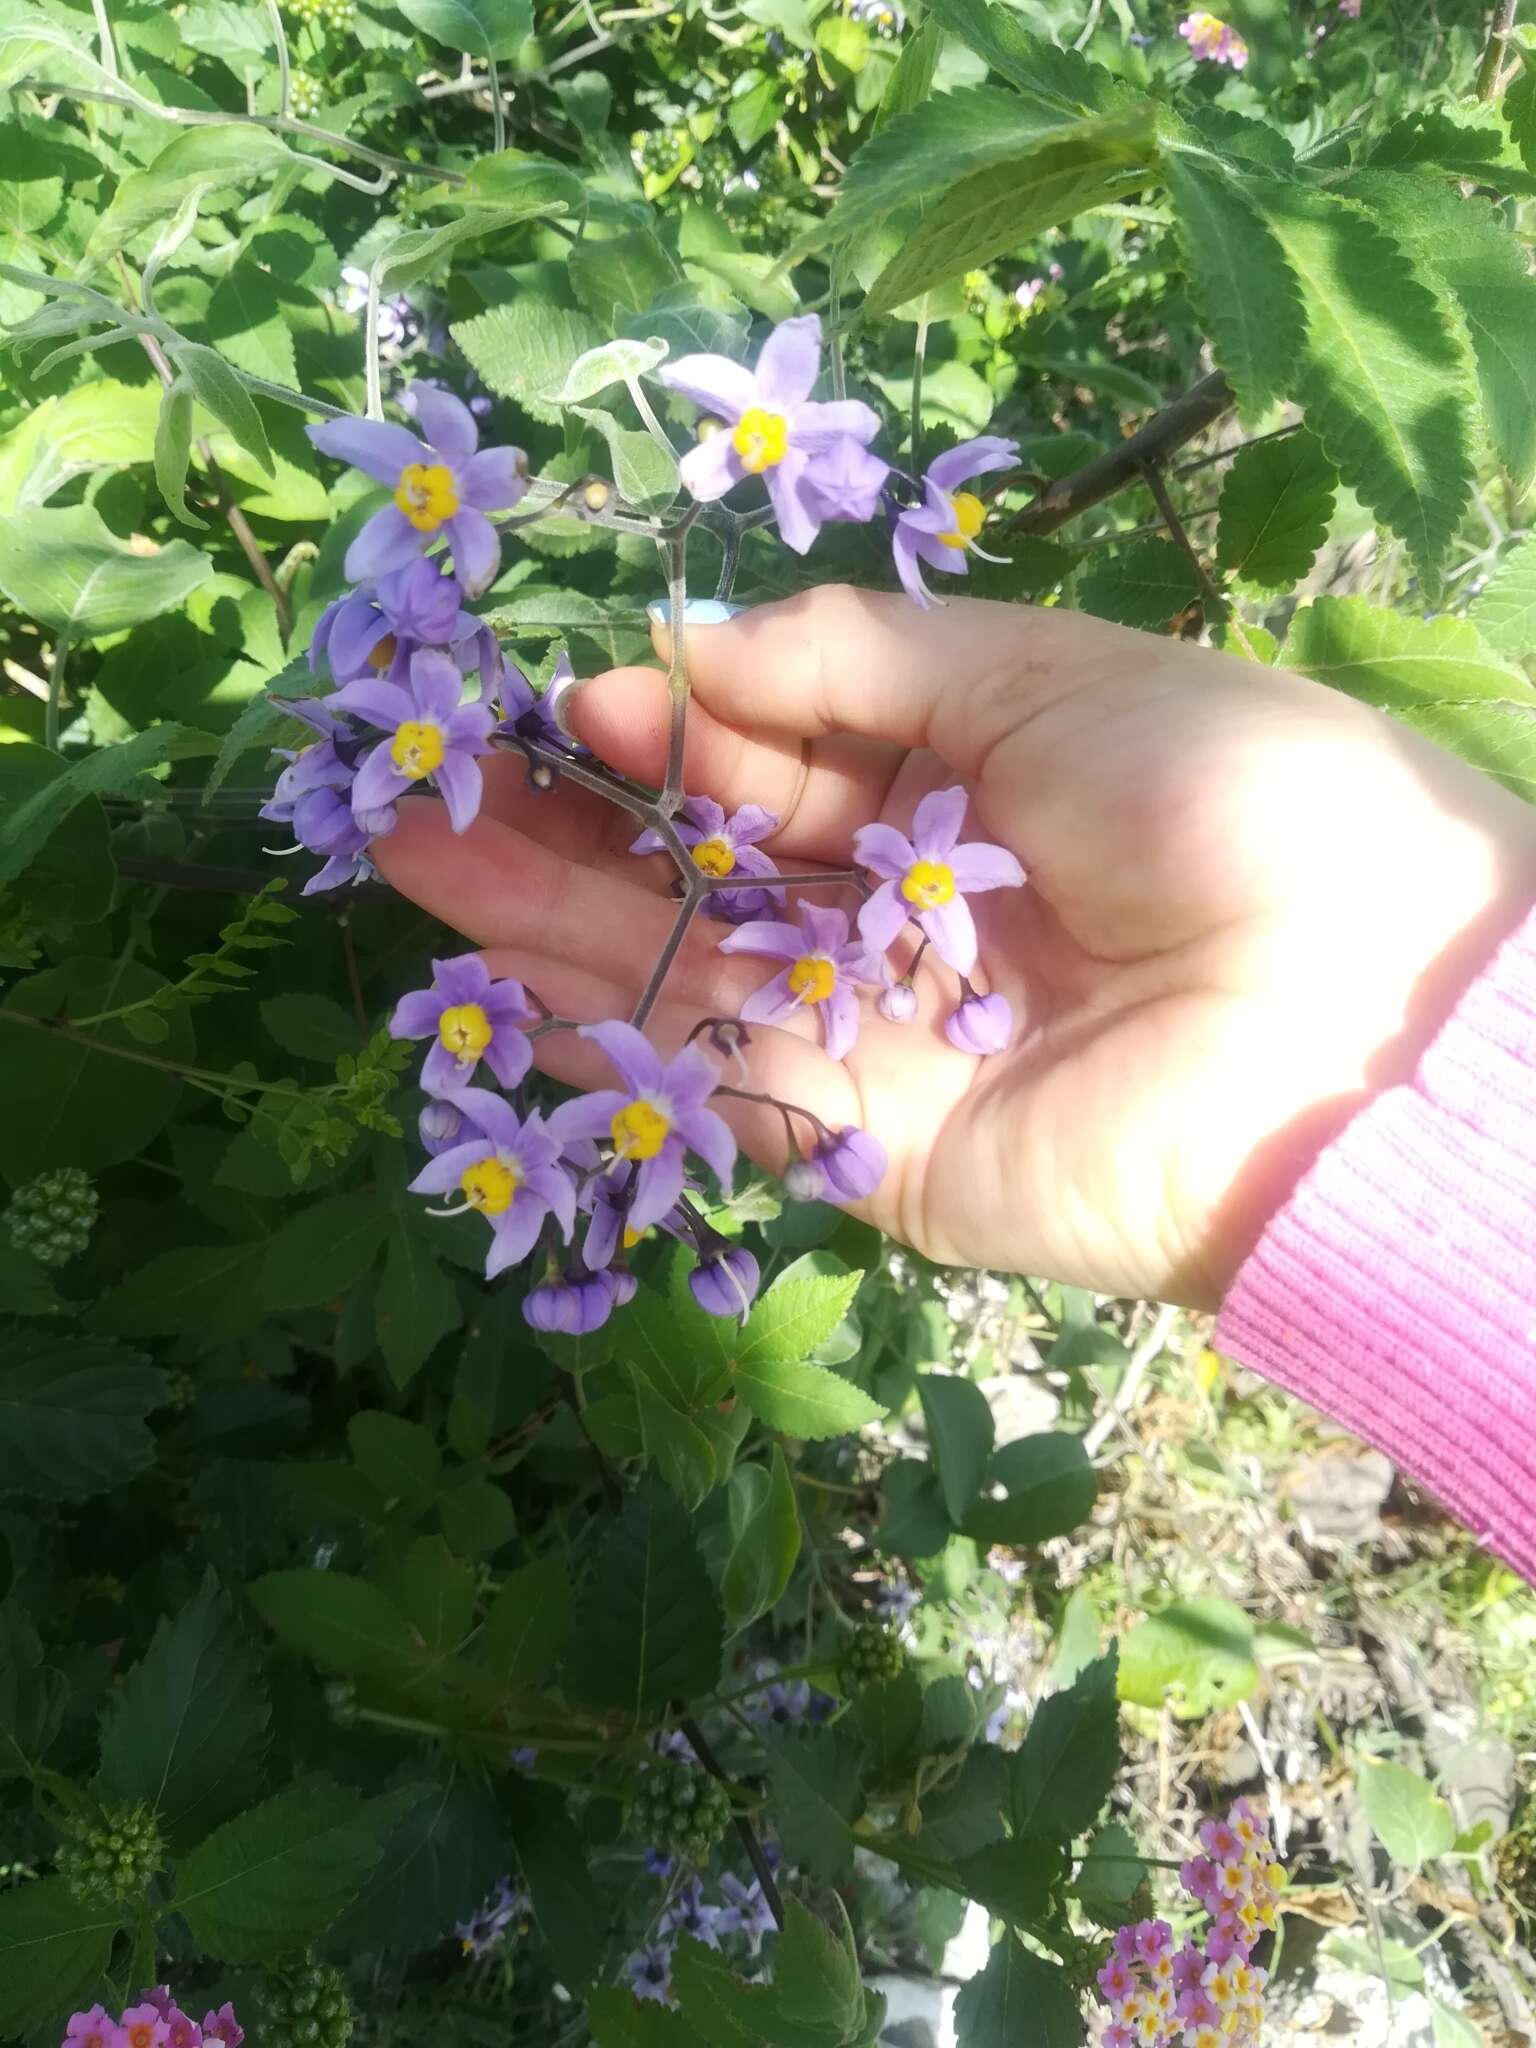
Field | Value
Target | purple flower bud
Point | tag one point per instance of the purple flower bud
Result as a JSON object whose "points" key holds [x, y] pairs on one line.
{"points": [[853, 1162], [573, 1306], [804, 1181], [982, 1024], [726, 1285], [898, 1005], [524, 1759], [622, 1285]]}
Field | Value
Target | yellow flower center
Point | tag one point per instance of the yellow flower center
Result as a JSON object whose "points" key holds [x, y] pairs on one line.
{"points": [[812, 978], [639, 1130], [928, 883], [417, 747], [384, 653], [489, 1186], [761, 439], [715, 857], [465, 1029], [426, 495], [631, 1238], [970, 518]]}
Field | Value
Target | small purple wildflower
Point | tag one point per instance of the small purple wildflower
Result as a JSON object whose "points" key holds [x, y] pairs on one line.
{"points": [[657, 1863], [441, 487], [92, 2029], [689, 1915], [725, 1283], [654, 1119], [928, 877], [470, 1018], [1213, 41], [785, 1703], [511, 1174], [485, 1930], [982, 1025], [943, 528], [852, 1162], [814, 458], [435, 738], [525, 1758], [725, 846], [375, 630], [649, 1971], [746, 1912], [823, 974]]}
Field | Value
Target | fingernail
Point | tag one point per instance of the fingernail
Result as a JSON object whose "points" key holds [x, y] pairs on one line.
{"points": [[560, 701], [698, 611]]}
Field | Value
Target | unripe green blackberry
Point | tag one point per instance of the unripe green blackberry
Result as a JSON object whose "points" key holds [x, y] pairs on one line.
{"points": [[305, 97], [305, 2005], [109, 1856], [873, 1657], [339, 14], [679, 1810], [51, 1217]]}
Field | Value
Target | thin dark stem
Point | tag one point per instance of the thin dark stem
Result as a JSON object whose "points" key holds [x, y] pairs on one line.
{"points": [[686, 912], [774, 1102], [54, 706], [1493, 50], [730, 553], [1217, 606], [744, 1828], [354, 978], [1199, 408], [1237, 447]]}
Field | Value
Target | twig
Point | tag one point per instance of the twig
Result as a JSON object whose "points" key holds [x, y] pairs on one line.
{"points": [[1216, 604], [1125, 1394], [1199, 408], [1493, 50], [1237, 447], [56, 669], [744, 1827]]}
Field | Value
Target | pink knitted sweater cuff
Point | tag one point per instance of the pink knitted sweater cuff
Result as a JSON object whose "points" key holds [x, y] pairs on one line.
{"points": [[1396, 1290]]}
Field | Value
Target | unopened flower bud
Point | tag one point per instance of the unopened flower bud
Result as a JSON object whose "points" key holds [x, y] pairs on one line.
{"points": [[981, 1025], [439, 1123], [378, 824], [898, 1004], [727, 1285], [804, 1181], [853, 1162], [595, 494]]}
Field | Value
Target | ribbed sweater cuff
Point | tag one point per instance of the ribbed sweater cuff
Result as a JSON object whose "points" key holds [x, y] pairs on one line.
{"points": [[1396, 1291]]}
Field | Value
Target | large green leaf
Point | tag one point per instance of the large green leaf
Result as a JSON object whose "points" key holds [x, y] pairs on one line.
{"points": [[64, 569], [100, 425], [1048, 1488], [1020, 2000], [555, 1862], [960, 1432], [417, 1304], [53, 1954], [1410, 1818], [526, 350], [490, 29], [816, 1970], [1061, 80], [344, 1623], [436, 1865], [110, 771], [211, 1290], [1012, 1878], [1194, 1656], [1149, 584], [817, 1795], [322, 1249], [1436, 675], [764, 1529], [1063, 1771], [674, 1444], [527, 1624], [650, 1625], [72, 1416], [186, 1730], [33, 1697], [1385, 374], [1505, 613], [1276, 503], [200, 160]]}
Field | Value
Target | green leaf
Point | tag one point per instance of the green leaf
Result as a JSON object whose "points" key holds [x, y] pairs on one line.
{"points": [[311, 1027], [556, 1869], [960, 1432], [623, 274], [435, 1868], [799, 1311], [99, 425], [645, 475], [211, 1290], [805, 1401], [323, 1249], [112, 771], [764, 1529], [679, 1450], [199, 160], [1462, 249], [1275, 507], [1195, 1655], [71, 878], [417, 1305], [64, 569], [187, 1728], [1150, 583], [173, 451], [492, 29], [816, 1969], [912, 80], [968, 1813], [620, 2020], [53, 1953], [1109, 1876], [527, 1624], [1049, 1487], [1436, 675], [526, 349], [729, 2013], [33, 1697], [269, 1883], [216, 387], [890, 1719], [398, 1456], [72, 1416], [1063, 1772], [341, 1623], [816, 1795], [1018, 1998], [649, 1626], [1505, 613], [615, 362], [675, 1344], [1453, 2029], [249, 319], [1384, 376], [1411, 1820], [991, 211], [1053, 78], [435, 1592], [1247, 296], [1518, 106], [478, 1519], [1012, 1878]]}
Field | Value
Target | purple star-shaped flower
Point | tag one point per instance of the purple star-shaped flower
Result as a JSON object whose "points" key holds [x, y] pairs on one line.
{"points": [[814, 458], [689, 1915], [376, 630], [654, 1119], [746, 1912], [436, 738], [649, 1971], [441, 486], [723, 845], [472, 1018], [312, 797], [823, 973], [929, 877], [944, 526], [512, 1175]]}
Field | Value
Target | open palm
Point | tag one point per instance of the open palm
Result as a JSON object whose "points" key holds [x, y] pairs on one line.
{"points": [[1251, 902]]}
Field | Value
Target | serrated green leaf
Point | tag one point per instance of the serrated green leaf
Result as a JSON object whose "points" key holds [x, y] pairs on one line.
{"points": [[677, 1447], [1149, 583], [435, 1591], [968, 1813], [805, 1400], [67, 571], [1109, 1875], [1063, 1771], [310, 1026], [799, 1311], [1505, 613], [249, 318], [1042, 72], [526, 349], [323, 1249], [1019, 1997], [53, 1953], [890, 1717], [764, 1526], [202, 159], [492, 29], [1049, 1488], [340, 1622], [417, 1305], [436, 1866], [1518, 106], [1411, 1820], [72, 1416], [526, 1626], [816, 1969], [1276, 503], [649, 1626], [33, 1697], [1195, 1655], [815, 1775], [186, 1730], [1013, 1878], [555, 1864], [620, 2020], [960, 1431], [398, 1456], [212, 1289], [623, 274]]}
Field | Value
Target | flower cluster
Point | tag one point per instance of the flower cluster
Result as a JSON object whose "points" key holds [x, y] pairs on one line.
{"points": [[1194, 1996], [156, 2021], [742, 1912], [1213, 41], [485, 1930]]}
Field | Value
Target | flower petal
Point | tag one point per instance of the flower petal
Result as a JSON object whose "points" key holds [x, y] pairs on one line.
{"points": [[972, 458], [554, 1187], [416, 1014], [444, 1172], [794, 503], [388, 541], [884, 851], [658, 1184], [824, 926], [355, 629], [711, 468], [476, 549], [790, 363], [446, 421], [633, 1057], [839, 1022], [385, 705], [750, 824], [444, 1072], [376, 447], [494, 480], [509, 1055], [952, 931], [714, 383], [462, 786], [710, 1136], [773, 939], [586, 1116], [881, 917], [816, 427], [905, 554], [688, 1079], [436, 685], [979, 866], [379, 781], [463, 979], [772, 1003], [515, 1231], [937, 820]]}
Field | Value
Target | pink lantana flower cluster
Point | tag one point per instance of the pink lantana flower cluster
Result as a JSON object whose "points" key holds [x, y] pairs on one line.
{"points": [[1208, 1995], [156, 2021], [1213, 41]]}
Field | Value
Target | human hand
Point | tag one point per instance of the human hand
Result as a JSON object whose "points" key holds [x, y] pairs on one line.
{"points": [[1252, 902]]}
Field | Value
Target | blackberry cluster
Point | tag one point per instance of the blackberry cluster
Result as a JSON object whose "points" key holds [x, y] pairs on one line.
{"points": [[336, 14], [305, 2005], [679, 1810], [874, 1657], [305, 96], [51, 1217], [109, 1856]]}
